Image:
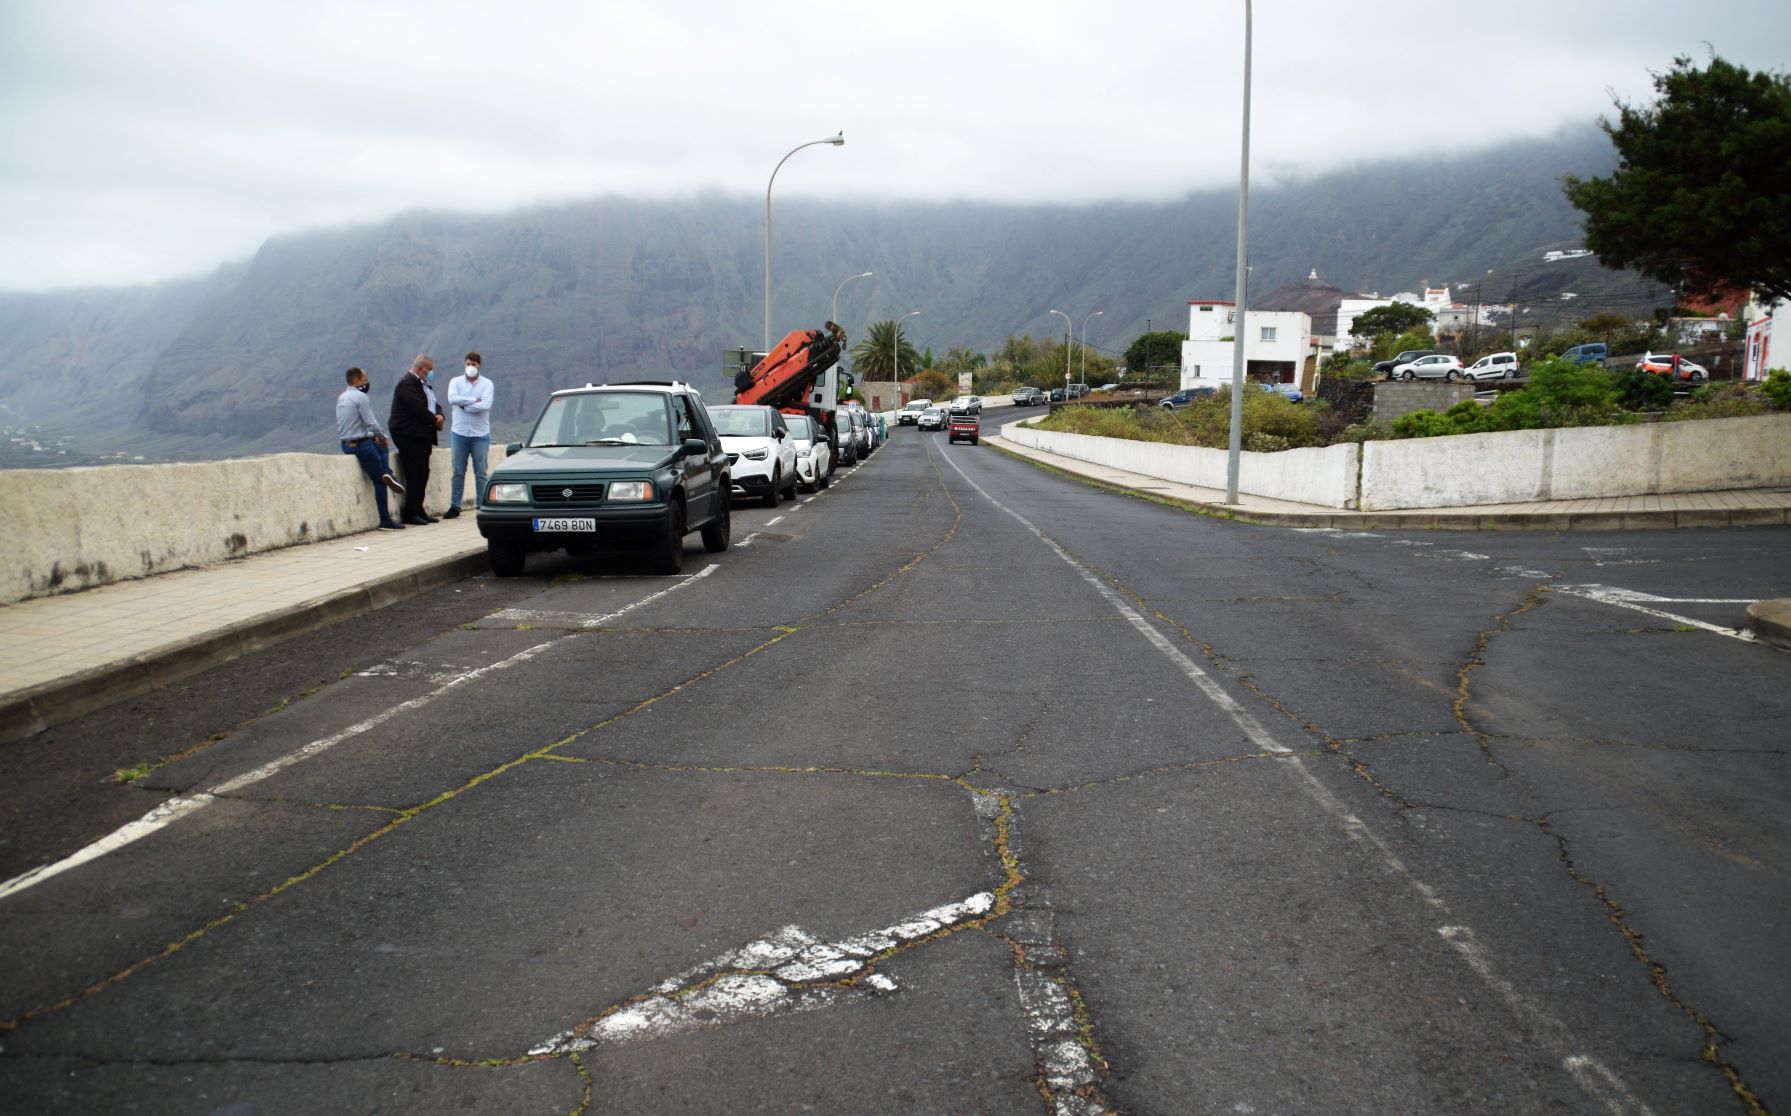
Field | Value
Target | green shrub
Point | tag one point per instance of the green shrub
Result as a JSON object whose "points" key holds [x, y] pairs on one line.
{"points": [[1269, 418], [1777, 388], [1643, 391]]}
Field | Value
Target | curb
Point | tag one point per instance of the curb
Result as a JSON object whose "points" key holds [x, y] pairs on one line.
{"points": [[29, 712], [1437, 520], [1770, 621]]}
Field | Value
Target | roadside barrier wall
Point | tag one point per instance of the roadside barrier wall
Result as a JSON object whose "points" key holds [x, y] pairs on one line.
{"points": [[1326, 477], [1705, 455], [68, 529]]}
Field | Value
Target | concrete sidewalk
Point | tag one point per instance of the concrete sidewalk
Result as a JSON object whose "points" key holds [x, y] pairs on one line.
{"points": [[1752, 507], [65, 655]]}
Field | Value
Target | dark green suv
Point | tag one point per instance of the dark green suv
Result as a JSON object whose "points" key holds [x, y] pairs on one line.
{"points": [[619, 465]]}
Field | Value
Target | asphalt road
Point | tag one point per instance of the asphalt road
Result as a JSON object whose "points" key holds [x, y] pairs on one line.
{"points": [[962, 787]]}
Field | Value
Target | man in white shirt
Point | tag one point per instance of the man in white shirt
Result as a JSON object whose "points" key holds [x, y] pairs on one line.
{"points": [[469, 401]]}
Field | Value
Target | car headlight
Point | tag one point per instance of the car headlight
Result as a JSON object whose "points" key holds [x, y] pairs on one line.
{"points": [[804, 452], [507, 494], [631, 490], [756, 455]]}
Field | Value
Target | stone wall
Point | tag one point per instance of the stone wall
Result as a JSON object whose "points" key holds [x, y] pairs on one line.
{"points": [[68, 529], [1395, 398]]}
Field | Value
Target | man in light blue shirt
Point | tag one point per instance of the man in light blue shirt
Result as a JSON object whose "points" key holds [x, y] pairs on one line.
{"points": [[362, 435], [469, 401]]}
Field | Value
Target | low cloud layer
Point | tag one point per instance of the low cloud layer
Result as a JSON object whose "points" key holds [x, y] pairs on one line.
{"points": [[140, 141]]}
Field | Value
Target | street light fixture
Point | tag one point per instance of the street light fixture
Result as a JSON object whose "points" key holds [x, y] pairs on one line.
{"points": [[1069, 335], [836, 294], [1096, 314], [1237, 334], [834, 141], [895, 359]]}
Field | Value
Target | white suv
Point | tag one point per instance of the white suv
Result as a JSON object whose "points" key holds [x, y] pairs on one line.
{"points": [[1493, 366], [814, 453], [910, 415], [760, 449]]}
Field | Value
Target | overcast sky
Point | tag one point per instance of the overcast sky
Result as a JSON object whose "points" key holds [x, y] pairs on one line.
{"points": [[160, 138]]}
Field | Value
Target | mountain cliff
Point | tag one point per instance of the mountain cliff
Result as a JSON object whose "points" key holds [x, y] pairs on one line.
{"points": [[616, 288]]}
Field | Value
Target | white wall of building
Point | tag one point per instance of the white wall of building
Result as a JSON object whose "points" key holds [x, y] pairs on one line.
{"points": [[1271, 335]]}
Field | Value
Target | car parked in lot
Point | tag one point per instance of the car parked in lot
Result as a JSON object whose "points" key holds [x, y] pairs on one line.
{"points": [[1386, 367], [760, 450], [933, 418], [845, 441], [1186, 396], [1057, 396], [1028, 397], [625, 465], [861, 433], [814, 455], [1493, 366], [1436, 366], [1289, 392], [1077, 391], [1596, 352], [910, 414], [1673, 367]]}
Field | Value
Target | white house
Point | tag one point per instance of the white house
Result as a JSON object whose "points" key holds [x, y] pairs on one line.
{"points": [[1756, 353], [1276, 343]]}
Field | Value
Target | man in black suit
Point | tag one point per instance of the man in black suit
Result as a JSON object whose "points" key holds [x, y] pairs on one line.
{"points": [[413, 422]]}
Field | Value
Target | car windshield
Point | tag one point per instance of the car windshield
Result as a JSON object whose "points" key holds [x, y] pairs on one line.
{"points": [[605, 418], [799, 430], [741, 422]]}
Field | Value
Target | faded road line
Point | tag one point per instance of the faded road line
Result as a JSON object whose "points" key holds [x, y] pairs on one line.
{"points": [[1587, 1072], [181, 806], [1624, 598]]}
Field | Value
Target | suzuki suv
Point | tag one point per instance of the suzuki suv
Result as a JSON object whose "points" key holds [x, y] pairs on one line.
{"points": [[619, 465]]}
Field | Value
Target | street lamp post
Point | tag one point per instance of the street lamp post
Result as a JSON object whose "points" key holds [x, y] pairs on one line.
{"points": [[895, 357], [834, 141], [1096, 314], [1233, 458], [1069, 335], [836, 294]]}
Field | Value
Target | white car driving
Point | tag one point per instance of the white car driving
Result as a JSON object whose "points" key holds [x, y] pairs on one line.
{"points": [[910, 415], [761, 452], [814, 454]]}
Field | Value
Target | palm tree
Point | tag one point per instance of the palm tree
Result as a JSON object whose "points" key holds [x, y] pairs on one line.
{"points": [[871, 357]]}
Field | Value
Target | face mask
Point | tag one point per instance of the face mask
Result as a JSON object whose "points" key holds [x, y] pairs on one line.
{"points": [[472, 371], [429, 376], [368, 386]]}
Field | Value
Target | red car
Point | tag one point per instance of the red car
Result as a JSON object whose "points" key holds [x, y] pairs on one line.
{"points": [[1673, 366]]}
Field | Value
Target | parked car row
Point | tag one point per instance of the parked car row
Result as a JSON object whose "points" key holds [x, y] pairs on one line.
{"points": [[641, 465]]}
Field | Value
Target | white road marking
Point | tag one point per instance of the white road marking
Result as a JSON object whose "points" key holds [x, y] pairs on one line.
{"points": [[787, 971], [746, 542], [1586, 1071], [1624, 599], [181, 806], [774, 521]]}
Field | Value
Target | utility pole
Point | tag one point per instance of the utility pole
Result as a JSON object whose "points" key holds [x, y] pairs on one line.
{"points": [[1233, 458]]}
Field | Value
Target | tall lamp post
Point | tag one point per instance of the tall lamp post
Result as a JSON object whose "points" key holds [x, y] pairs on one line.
{"points": [[1069, 335], [1237, 334], [836, 293], [834, 141], [895, 358], [1096, 314]]}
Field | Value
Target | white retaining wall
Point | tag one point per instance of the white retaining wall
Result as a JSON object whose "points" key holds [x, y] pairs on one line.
{"points": [[1326, 477], [1706, 455], [66, 529]]}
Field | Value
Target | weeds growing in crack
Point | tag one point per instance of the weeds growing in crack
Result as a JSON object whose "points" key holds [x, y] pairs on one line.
{"points": [[1478, 660], [1657, 972]]}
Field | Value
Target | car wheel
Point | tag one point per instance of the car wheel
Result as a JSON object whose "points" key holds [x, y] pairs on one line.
{"points": [[775, 492], [1451, 376], [720, 529], [794, 479], [1409, 375], [826, 478], [1696, 377], [668, 553], [506, 557]]}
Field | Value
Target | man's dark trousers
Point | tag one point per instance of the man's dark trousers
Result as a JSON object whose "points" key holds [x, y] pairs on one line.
{"points": [[413, 458], [376, 465]]}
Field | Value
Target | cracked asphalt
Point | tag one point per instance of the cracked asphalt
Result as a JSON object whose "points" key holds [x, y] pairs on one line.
{"points": [[960, 788]]}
